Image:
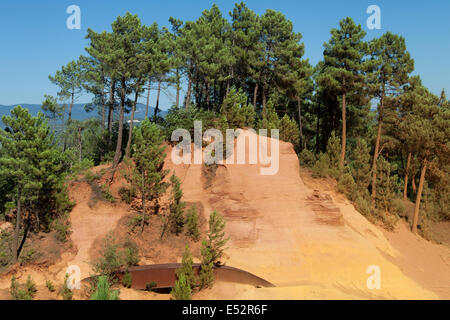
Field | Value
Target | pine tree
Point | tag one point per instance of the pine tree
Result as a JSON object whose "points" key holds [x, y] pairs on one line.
{"points": [[187, 268], [390, 65], [360, 164], [192, 227], [31, 161], [206, 274], [181, 290], [176, 215], [344, 67], [147, 171], [216, 236], [103, 291]]}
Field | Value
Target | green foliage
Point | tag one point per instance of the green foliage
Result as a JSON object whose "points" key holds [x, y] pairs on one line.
{"points": [[186, 269], [62, 226], [176, 208], [216, 236], [182, 289], [50, 286], [127, 194], [64, 291], [106, 193], [360, 164], [103, 291], [25, 291], [114, 256], [146, 172], [192, 224], [206, 274], [150, 286], [307, 158], [127, 280], [346, 185], [31, 161], [235, 111], [289, 131], [327, 163]]}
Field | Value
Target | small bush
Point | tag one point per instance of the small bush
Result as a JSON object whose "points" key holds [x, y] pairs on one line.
{"points": [[307, 158], [135, 221], [321, 169], [397, 207], [50, 286], [181, 290], [150, 286], [127, 280], [106, 193], [90, 177], [127, 194], [346, 185], [62, 226], [115, 256], [103, 291], [25, 291], [65, 292]]}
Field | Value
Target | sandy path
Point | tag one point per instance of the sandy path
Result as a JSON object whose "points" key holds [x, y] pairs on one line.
{"points": [[89, 224]]}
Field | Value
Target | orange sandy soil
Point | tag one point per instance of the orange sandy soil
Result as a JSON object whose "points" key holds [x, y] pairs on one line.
{"points": [[295, 232]]}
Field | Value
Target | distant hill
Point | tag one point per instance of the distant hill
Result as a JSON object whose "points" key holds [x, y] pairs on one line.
{"points": [[78, 111]]}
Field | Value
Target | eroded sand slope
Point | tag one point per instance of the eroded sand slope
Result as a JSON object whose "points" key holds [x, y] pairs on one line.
{"points": [[301, 240]]}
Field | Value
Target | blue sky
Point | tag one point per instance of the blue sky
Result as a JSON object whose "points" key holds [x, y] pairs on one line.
{"points": [[35, 41]]}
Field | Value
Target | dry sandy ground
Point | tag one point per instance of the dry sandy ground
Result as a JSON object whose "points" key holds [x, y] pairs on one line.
{"points": [[306, 239]]}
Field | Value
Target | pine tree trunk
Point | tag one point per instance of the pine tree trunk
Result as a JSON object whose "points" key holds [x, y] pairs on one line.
{"points": [[413, 184], [264, 98], [143, 203], [112, 90], [80, 143], [419, 196], [344, 131], [299, 104], [157, 99], [405, 189], [130, 131], [377, 151], [71, 105], [317, 129], [102, 99], [255, 95], [120, 133], [148, 98], [188, 94], [17, 229], [177, 101]]}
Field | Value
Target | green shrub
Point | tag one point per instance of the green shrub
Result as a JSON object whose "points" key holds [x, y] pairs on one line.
{"points": [[50, 286], [65, 292], [206, 274], [127, 280], [181, 290], [307, 158], [397, 207], [106, 193], [127, 194], [103, 291], [346, 185], [150, 286], [192, 228], [25, 291], [321, 169], [115, 256], [90, 177], [62, 226]]}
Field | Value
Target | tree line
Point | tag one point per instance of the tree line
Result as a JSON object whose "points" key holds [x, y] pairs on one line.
{"points": [[358, 114]]}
